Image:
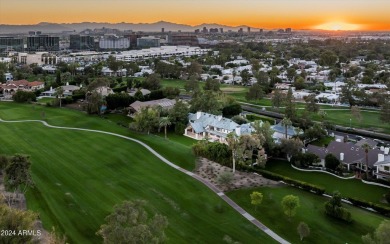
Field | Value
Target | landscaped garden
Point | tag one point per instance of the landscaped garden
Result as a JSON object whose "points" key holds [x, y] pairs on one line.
{"points": [[323, 229], [80, 176], [348, 188]]}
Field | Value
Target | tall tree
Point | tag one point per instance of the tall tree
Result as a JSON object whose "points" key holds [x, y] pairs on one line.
{"points": [[164, 122], [278, 98], [256, 198], [146, 119], [192, 85], [286, 122], [194, 69], [129, 223], [245, 77], [290, 203], [205, 101], [152, 82], [291, 73], [255, 92], [264, 130], [232, 141], [366, 148], [311, 104], [290, 110], [60, 93], [212, 85], [291, 147]]}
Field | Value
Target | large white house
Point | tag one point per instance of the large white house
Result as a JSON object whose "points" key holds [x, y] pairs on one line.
{"points": [[213, 127]]}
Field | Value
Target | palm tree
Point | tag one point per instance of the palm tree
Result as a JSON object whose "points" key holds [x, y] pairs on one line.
{"points": [[59, 93], [366, 147], [286, 122], [164, 122], [232, 141]]}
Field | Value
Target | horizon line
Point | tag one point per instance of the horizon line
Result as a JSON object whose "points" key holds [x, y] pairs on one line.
{"points": [[237, 26]]}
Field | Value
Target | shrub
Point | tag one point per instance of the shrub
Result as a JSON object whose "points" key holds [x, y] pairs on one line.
{"points": [[24, 96], [333, 208], [214, 151], [331, 162]]}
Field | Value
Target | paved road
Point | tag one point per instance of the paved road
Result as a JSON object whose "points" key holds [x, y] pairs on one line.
{"points": [[208, 184]]}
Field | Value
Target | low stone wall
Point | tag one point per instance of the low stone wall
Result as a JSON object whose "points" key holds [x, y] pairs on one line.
{"points": [[323, 171]]}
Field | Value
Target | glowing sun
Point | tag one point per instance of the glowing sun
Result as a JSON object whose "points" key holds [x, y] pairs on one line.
{"points": [[337, 26]]}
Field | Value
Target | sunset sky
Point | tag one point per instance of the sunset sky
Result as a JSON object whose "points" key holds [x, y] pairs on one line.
{"points": [[298, 14]]}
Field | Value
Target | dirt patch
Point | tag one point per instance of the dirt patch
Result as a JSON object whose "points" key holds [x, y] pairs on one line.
{"points": [[210, 171]]}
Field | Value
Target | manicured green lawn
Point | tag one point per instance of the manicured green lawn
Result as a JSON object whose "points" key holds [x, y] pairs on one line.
{"points": [[80, 176], [352, 188], [323, 229], [45, 100], [176, 152]]}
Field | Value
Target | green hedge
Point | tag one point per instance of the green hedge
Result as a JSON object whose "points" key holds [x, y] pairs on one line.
{"points": [[379, 208]]}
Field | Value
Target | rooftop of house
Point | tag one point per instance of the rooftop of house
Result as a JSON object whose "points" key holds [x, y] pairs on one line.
{"points": [[352, 154], [201, 119], [164, 103], [291, 130], [369, 142]]}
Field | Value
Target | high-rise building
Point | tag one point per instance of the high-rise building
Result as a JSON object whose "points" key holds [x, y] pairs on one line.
{"points": [[162, 30], [288, 30], [213, 30], [11, 44], [249, 29], [205, 30], [148, 41], [114, 42], [240, 30], [133, 39], [178, 39], [43, 43], [197, 31], [221, 30], [261, 31], [79, 42]]}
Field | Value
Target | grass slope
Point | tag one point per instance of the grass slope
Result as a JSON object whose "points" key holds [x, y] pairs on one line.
{"points": [[323, 229], [80, 176]]}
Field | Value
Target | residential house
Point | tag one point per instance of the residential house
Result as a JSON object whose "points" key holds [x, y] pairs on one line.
{"points": [[382, 168], [108, 72], [352, 156], [164, 103], [68, 91], [143, 91], [213, 127], [280, 132]]}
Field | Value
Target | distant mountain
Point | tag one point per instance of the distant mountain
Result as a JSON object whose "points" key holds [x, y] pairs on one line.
{"points": [[78, 27]]}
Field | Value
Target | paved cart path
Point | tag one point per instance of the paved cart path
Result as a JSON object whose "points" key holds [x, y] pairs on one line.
{"points": [[191, 174]]}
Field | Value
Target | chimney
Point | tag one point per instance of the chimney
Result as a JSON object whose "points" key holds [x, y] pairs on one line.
{"points": [[238, 131], [67, 83], [219, 117], [198, 114], [51, 88], [387, 150], [341, 156], [381, 157]]}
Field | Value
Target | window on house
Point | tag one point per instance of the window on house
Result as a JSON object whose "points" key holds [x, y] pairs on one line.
{"points": [[387, 168]]}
